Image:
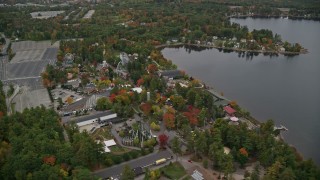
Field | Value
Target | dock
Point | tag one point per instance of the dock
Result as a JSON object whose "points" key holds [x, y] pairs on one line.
{"points": [[281, 127]]}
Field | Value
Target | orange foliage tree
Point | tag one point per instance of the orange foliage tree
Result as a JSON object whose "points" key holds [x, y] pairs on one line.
{"points": [[152, 68], [146, 108], [169, 120]]}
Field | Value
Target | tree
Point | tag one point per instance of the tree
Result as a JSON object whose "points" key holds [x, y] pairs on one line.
{"points": [[255, 175], [273, 171], [103, 104], [127, 173], [152, 68], [169, 120], [175, 146], [69, 100], [200, 143], [287, 174], [80, 173], [163, 139], [178, 102], [242, 156]]}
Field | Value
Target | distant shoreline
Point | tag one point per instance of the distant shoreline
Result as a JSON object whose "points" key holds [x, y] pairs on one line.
{"points": [[303, 51], [275, 16]]}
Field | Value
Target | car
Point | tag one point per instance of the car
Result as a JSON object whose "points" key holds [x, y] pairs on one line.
{"points": [[189, 161]]}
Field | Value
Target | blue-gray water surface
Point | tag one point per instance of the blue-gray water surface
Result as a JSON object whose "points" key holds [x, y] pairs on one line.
{"points": [[285, 89]]}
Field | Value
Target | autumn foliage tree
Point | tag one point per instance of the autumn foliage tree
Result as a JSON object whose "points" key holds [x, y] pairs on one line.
{"points": [[192, 115], [152, 68], [163, 139], [169, 120], [146, 108], [242, 156], [140, 82]]}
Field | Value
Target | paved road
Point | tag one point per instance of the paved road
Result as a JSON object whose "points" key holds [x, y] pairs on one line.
{"points": [[115, 171]]}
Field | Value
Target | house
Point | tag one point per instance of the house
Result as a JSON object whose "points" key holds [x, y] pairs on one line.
{"points": [[282, 49], [229, 110], [124, 58], [108, 144], [137, 89], [73, 84], [171, 74]]}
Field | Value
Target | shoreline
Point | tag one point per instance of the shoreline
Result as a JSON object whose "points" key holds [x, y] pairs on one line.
{"points": [[275, 16], [162, 46]]}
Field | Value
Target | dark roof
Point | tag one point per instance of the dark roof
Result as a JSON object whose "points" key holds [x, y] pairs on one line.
{"points": [[94, 116], [171, 73]]}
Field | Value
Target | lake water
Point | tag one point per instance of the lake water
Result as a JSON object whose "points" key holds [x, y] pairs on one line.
{"points": [[285, 89]]}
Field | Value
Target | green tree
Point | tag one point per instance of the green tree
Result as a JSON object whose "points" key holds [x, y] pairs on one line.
{"points": [[127, 173], [287, 174], [200, 143], [103, 104], [175, 146]]}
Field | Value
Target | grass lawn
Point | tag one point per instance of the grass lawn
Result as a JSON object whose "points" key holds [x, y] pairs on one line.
{"points": [[118, 149], [103, 133], [174, 171]]}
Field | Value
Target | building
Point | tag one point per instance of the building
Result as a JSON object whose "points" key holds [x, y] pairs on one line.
{"points": [[124, 58], [92, 122], [229, 110], [108, 144], [171, 74]]}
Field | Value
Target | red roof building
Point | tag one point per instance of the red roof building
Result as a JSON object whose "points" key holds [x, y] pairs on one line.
{"points": [[229, 110]]}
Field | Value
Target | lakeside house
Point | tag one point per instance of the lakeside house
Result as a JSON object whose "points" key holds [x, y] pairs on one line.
{"points": [[171, 74], [229, 110]]}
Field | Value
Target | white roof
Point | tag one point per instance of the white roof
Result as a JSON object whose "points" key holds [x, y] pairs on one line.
{"points": [[234, 118], [197, 175], [109, 143], [137, 89], [106, 149], [108, 117], [84, 123]]}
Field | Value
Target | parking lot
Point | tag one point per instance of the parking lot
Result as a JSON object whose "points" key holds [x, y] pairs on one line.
{"points": [[29, 62], [65, 94], [28, 98]]}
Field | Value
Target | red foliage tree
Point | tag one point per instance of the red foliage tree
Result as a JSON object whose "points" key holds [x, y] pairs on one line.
{"points": [[146, 108], [169, 120], [192, 115], [112, 97], [163, 139], [140, 82]]}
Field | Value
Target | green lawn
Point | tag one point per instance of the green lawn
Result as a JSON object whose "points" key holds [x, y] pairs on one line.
{"points": [[173, 171], [118, 150], [103, 133]]}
